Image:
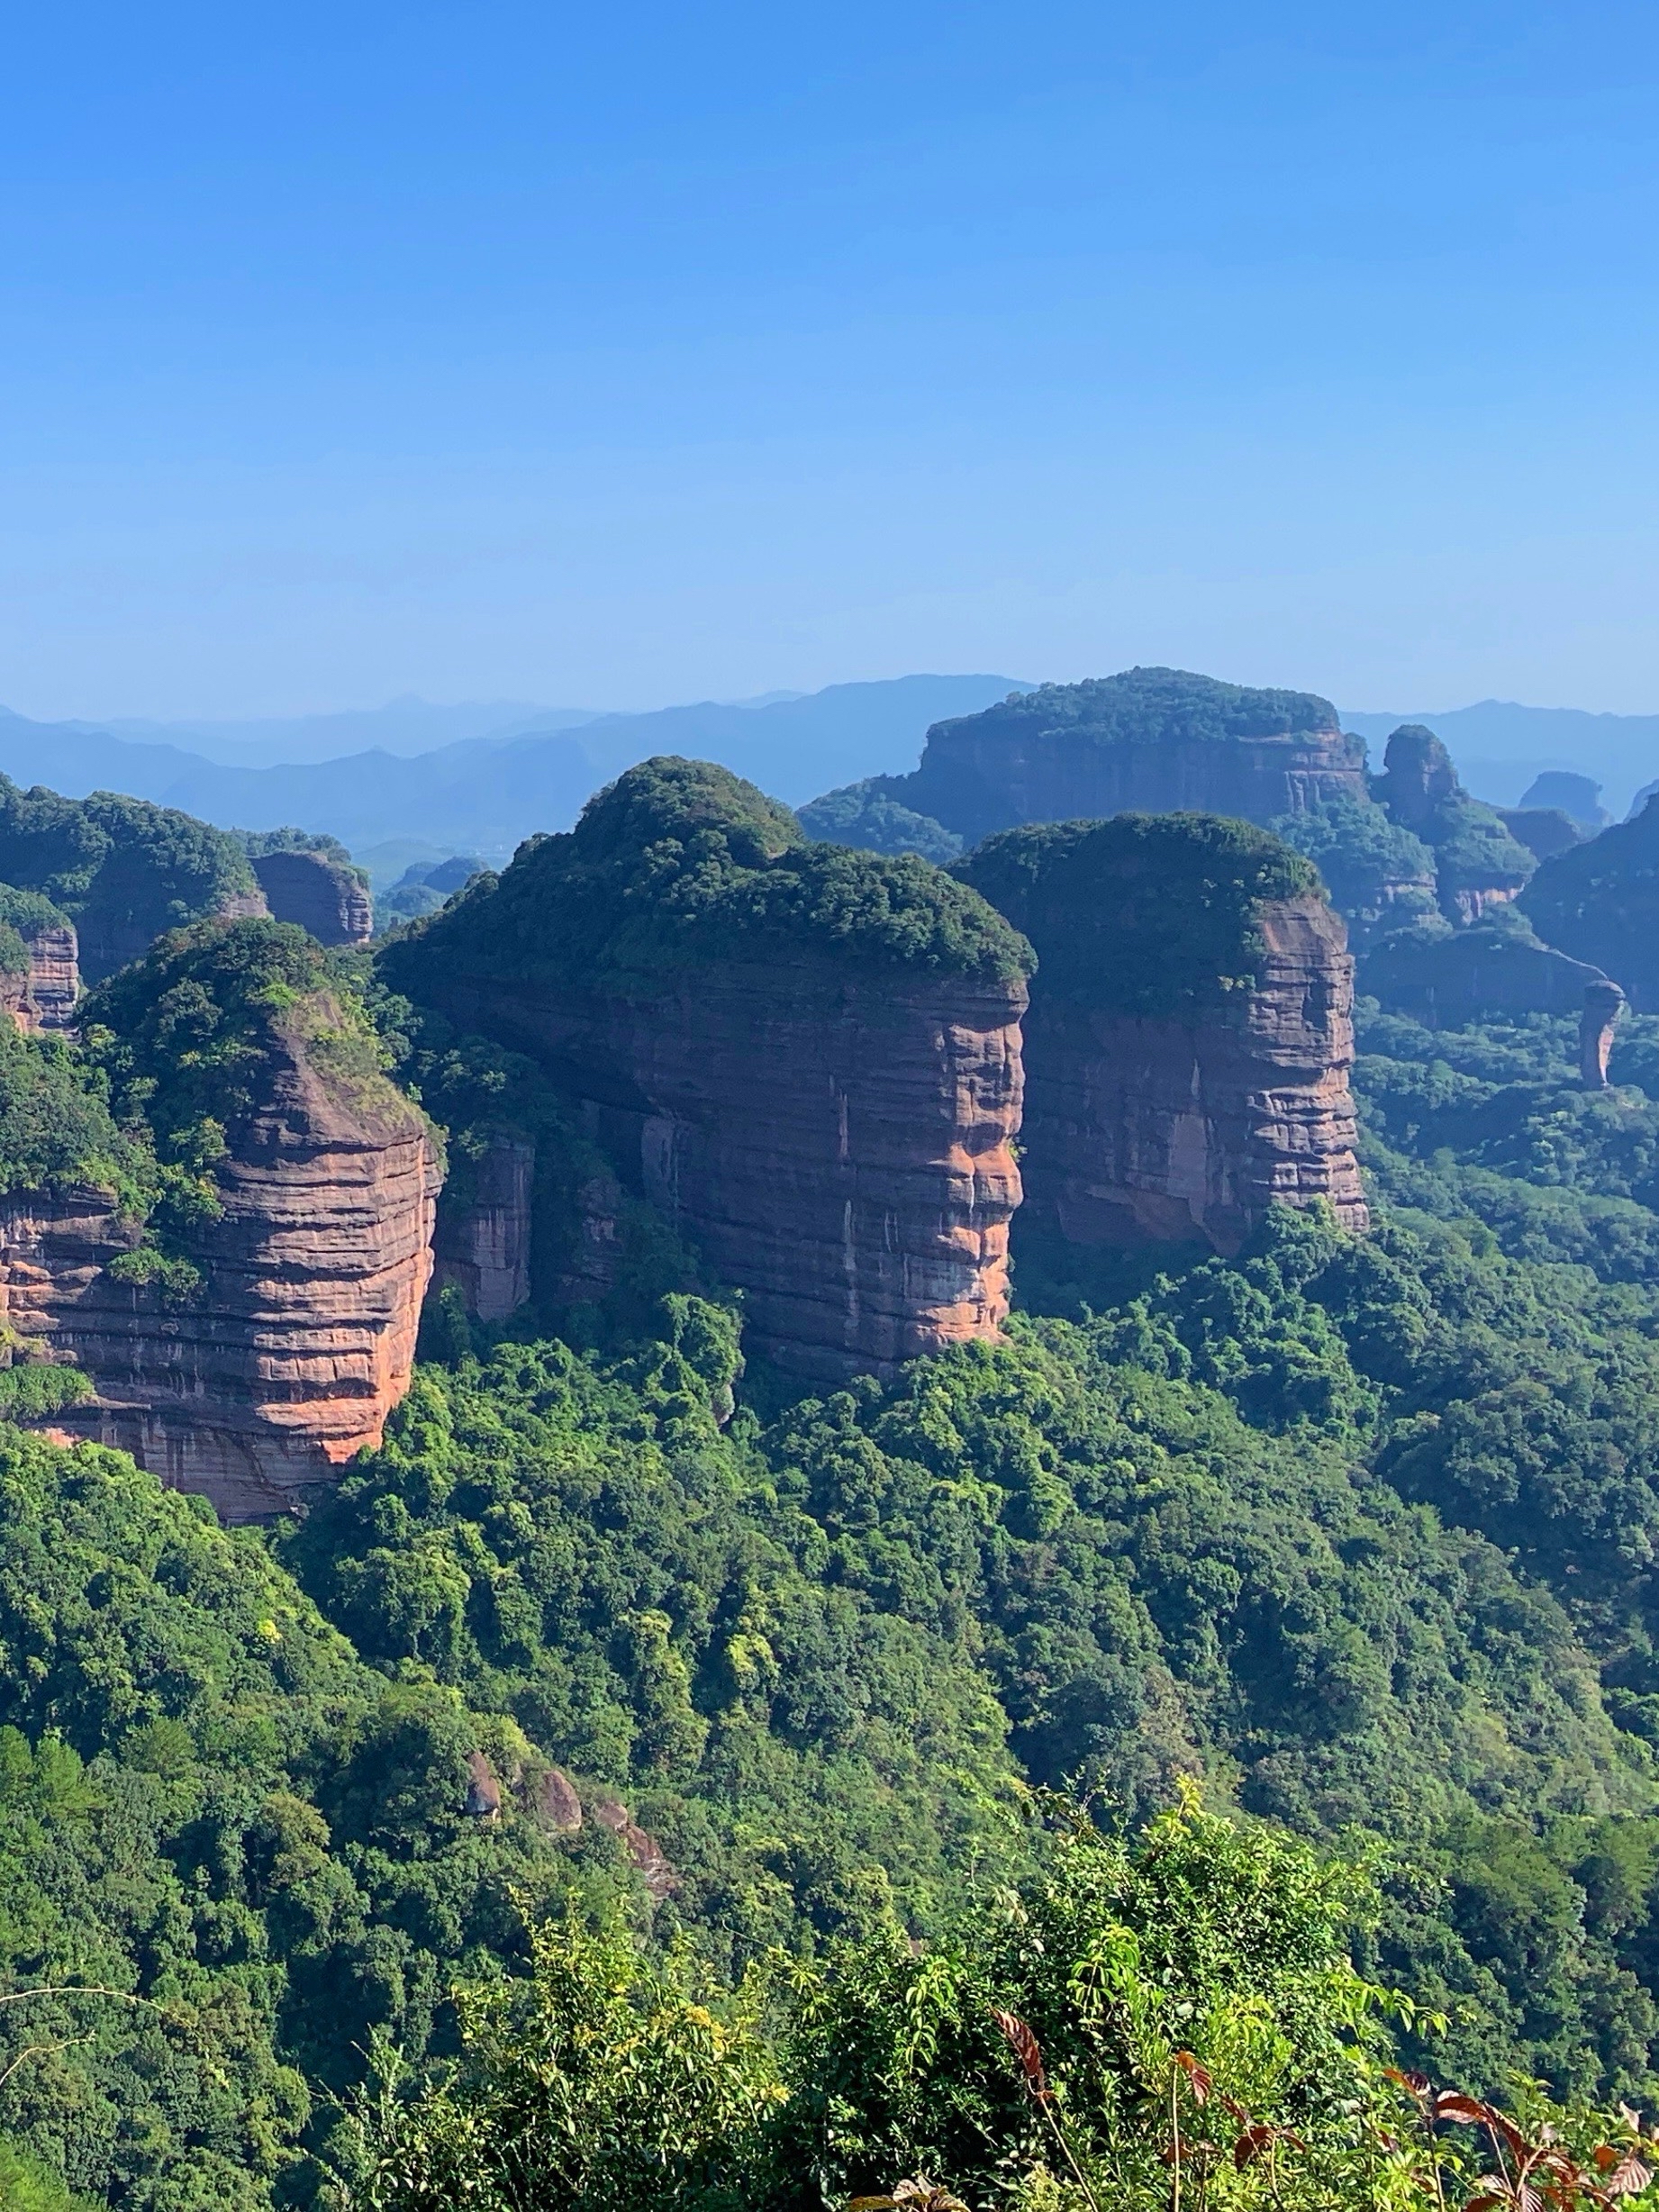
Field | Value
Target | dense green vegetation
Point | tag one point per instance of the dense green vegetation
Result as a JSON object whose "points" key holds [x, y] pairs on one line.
{"points": [[1600, 902], [869, 815], [1160, 706], [1173, 2021], [121, 869], [1379, 875], [1145, 913], [680, 864], [1473, 850], [1350, 1541]]}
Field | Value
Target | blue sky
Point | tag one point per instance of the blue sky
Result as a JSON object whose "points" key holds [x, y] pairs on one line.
{"points": [[621, 356]]}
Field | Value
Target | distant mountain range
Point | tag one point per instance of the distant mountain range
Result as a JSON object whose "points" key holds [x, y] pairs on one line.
{"points": [[422, 780], [485, 792], [1500, 747]]}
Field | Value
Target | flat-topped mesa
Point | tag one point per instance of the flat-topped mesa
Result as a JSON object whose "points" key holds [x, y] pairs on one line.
{"points": [[1190, 1036], [808, 1057], [1150, 739], [267, 1337], [1479, 864], [318, 894], [39, 964], [122, 870]]}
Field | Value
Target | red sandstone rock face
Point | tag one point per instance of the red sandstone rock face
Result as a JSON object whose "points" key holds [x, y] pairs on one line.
{"points": [[837, 1150], [303, 1339], [1137, 1130], [318, 894], [483, 1246], [44, 998]]}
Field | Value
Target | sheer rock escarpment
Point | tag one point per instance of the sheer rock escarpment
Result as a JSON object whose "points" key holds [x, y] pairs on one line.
{"points": [[40, 962], [1150, 739], [1496, 968], [483, 1241], [1190, 1036], [808, 1057], [268, 1343], [317, 894]]}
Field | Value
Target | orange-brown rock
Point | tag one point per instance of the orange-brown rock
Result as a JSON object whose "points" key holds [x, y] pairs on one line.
{"points": [[838, 1150], [808, 1057], [301, 1338], [1189, 1038], [481, 1244], [319, 894], [54, 979]]}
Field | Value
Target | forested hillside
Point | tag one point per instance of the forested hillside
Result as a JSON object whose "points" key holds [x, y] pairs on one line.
{"points": [[1352, 1538]]}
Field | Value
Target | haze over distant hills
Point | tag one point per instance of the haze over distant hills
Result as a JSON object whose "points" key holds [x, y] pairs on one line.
{"points": [[478, 776], [1500, 747], [484, 793]]}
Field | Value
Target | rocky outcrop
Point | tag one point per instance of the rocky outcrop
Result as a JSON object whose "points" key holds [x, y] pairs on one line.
{"points": [[300, 1338], [808, 1059], [839, 1151], [1603, 1004], [1478, 863], [1157, 740], [483, 1238], [1188, 1041], [1544, 831], [321, 894], [40, 995], [1448, 980], [1601, 902]]}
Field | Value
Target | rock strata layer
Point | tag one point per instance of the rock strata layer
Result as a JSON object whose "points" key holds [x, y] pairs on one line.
{"points": [[301, 1339], [1190, 1038], [42, 997], [1152, 739], [839, 1151], [808, 1058], [318, 894]]}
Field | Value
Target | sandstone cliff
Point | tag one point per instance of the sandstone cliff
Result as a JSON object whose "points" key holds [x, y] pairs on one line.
{"points": [[483, 1241], [270, 1339], [1188, 1041], [40, 962], [808, 1059], [1478, 863], [1154, 739], [317, 894]]}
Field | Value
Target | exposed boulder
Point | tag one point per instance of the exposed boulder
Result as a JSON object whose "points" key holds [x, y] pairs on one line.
{"points": [[319, 894], [1190, 1036], [1149, 739], [808, 1057]]}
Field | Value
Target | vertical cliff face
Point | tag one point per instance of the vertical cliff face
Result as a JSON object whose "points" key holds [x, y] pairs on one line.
{"points": [[1152, 739], [300, 1338], [318, 894], [1601, 902], [267, 1335], [483, 1241], [808, 1059], [1190, 1036], [39, 966]]}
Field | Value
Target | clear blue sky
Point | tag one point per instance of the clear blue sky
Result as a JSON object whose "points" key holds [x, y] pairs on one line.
{"points": [[636, 353]]}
